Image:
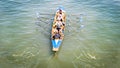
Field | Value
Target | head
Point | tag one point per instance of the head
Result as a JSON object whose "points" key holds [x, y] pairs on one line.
{"points": [[60, 11], [54, 26], [61, 20], [58, 20], [57, 36]]}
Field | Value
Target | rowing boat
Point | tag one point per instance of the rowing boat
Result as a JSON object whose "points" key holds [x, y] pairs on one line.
{"points": [[56, 43]]}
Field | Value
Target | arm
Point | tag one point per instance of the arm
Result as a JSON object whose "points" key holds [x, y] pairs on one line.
{"points": [[64, 17], [56, 15]]}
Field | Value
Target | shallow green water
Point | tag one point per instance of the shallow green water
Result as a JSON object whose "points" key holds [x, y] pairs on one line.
{"points": [[25, 37]]}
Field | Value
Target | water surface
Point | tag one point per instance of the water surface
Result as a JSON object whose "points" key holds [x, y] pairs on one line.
{"points": [[92, 34]]}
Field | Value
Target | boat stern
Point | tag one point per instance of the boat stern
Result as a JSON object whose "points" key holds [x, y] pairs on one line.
{"points": [[56, 44]]}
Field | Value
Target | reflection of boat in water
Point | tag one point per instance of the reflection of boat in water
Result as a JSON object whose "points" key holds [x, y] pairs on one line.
{"points": [[57, 39]]}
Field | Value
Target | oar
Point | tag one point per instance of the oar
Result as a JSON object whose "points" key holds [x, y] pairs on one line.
{"points": [[37, 14], [81, 18], [81, 21]]}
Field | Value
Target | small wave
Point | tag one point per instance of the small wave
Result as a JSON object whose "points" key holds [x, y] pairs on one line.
{"points": [[20, 1]]}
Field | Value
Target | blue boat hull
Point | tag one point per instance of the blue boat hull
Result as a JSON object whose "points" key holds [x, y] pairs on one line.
{"points": [[56, 44]]}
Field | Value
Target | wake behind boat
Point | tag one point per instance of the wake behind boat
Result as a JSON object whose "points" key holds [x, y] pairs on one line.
{"points": [[58, 27]]}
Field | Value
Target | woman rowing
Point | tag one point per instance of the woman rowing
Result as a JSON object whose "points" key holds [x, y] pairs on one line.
{"points": [[60, 14]]}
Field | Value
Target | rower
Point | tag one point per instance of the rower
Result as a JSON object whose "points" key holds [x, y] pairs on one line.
{"points": [[54, 30], [60, 14]]}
